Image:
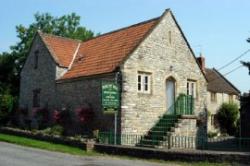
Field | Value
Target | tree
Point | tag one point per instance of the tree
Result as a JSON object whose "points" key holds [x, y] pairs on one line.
{"points": [[8, 74], [12, 62], [66, 26], [228, 116], [246, 64], [6, 105], [248, 40]]}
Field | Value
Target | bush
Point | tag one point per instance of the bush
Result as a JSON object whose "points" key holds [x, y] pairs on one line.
{"points": [[212, 134], [18, 118], [54, 130], [6, 106], [41, 115], [84, 115], [228, 116], [65, 119]]}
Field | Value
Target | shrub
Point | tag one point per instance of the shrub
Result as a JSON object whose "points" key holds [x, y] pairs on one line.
{"points": [[64, 118], [74, 122], [56, 117], [212, 134], [6, 106], [84, 115], [18, 117], [54, 130], [227, 116], [41, 115]]}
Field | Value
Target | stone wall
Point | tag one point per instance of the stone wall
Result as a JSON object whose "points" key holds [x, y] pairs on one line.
{"points": [[85, 92], [175, 155], [187, 126], [162, 58], [213, 107], [185, 134], [42, 78], [55, 95]]}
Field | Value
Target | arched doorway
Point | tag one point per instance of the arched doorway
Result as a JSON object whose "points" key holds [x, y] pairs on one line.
{"points": [[170, 94]]}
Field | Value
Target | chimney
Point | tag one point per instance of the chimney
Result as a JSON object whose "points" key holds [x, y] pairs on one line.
{"points": [[201, 61]]}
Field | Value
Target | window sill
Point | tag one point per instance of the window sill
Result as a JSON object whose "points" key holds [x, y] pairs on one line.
{"points": [[144, 93]]}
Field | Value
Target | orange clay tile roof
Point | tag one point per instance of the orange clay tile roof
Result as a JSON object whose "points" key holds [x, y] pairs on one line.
{"points": [[62, 49], [102, 54]]}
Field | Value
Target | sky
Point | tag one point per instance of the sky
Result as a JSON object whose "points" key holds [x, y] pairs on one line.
{"points": [[216, 28]]}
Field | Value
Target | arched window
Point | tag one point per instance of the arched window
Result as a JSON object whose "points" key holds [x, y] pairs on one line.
{"points": [[170, 37], [36, 59]]}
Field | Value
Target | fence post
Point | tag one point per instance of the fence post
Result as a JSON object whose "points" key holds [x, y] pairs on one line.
{"points": [[169, 141], [239, 143], [115, 128]]}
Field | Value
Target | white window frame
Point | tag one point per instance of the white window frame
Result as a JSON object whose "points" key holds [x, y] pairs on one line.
{"points": [[213, 97], [230, 98], [192, 88], [144, 84]]}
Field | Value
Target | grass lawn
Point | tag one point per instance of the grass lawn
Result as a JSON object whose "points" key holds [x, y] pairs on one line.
{"points": [[43, 145], [77, 151]]}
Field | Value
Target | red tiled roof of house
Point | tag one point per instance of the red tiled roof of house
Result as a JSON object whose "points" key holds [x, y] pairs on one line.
{"points": [[104, 53], [62, 49]]}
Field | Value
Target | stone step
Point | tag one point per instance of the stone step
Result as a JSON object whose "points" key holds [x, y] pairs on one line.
{"points": [[158, 135], [153, 143], [161, 128], [167, 120], [149, 142], [158, 138]]}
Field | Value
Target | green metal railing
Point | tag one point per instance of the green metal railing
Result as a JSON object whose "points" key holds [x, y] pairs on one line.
{"points": [[158, 135], [178, 142], [124, 139], [184, 105]]}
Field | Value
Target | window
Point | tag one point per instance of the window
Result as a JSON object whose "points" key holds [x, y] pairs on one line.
{"points": [[212, 120], [36, 59], [139, 82], [191, 88], [213, 97], [143, 82], [231, 98], [169, 37], [36, 98]]}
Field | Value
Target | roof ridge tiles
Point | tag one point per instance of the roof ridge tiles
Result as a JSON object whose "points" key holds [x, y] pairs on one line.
{"points": [[104, 34], [123, 28], [58, 36]]}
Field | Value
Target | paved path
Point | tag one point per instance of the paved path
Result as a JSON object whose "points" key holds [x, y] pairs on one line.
{"points": [[14, 155]]}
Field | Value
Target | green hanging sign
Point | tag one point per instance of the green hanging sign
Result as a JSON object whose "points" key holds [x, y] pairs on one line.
{"points": [[110, 96]]}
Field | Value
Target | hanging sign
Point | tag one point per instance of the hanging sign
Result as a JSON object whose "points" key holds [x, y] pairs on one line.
{"points": [[110, 96]]}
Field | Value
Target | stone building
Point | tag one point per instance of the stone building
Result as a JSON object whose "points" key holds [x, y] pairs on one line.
{"points": [[220, 90], [153, 58]]}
